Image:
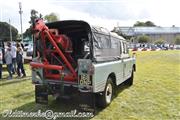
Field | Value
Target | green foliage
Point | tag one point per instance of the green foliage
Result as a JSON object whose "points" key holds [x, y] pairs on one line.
{"points": [[33, 16], [51, 17], [138, 23], [28, 32], [144, 24], [143, 39], [149, 24], [159, 41], [5, 31], [177, 40]]}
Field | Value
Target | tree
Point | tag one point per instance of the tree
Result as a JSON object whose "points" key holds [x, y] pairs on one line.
{"points": [[33, 16], [159, 41], [177, 40], [144, 24], [28, 32], [149, 24], [5, 31], [51, 17], [143, 39], [138, 23]]}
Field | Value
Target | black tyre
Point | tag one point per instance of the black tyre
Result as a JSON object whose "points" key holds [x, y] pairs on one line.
{"points": [[106, 97]]}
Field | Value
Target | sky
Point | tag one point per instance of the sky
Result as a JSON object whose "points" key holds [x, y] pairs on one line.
{"points": [[104, 13]]}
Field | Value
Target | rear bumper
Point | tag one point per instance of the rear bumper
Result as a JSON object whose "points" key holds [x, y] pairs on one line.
{"points": [[85, 101], [74, 87]]}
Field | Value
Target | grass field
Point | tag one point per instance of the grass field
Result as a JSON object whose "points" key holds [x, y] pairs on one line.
{"points": [[155, 94]]}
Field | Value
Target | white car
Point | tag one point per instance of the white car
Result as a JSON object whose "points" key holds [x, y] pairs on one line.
{"points": [[29, 51]]}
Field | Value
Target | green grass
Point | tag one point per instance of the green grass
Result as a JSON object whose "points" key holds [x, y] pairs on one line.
{"points": [[155, 94]]}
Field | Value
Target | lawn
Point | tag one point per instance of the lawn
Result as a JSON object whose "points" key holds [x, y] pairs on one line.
{"points": [[155, 94]]}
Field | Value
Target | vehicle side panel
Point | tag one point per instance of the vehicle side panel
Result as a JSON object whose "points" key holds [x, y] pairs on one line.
{"points": [[103, 70], [128, 65]]}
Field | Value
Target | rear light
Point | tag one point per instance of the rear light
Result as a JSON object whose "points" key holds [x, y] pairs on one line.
{"points": [[91, 70]]}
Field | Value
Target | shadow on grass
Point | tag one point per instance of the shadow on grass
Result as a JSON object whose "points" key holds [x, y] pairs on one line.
{"points": [[120, 88], [60, 105], [13, 81]]}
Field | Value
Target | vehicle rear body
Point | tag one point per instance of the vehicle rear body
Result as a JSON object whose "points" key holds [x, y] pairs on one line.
{"points": [[95, 55]]}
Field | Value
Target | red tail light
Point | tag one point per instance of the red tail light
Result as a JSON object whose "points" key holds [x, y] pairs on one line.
{"points": [[91, 70]]}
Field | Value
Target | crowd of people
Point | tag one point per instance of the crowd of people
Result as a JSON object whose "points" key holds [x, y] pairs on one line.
{"points": [[14, 60]]}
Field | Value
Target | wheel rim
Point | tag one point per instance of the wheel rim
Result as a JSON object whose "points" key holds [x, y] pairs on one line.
{"points": [[108, 93]]}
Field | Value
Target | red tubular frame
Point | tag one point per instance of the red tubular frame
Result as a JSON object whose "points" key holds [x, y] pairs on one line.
{"points": [[61, 54], [41, 27], [50, 67]]}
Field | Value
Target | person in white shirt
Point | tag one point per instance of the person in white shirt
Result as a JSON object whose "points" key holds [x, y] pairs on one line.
{"points": [[13, 52], [8, 59]]}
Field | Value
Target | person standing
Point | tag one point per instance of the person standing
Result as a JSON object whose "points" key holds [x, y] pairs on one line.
{"points": [[1, 62], [13, 52], [20, 61], [8, 59]]}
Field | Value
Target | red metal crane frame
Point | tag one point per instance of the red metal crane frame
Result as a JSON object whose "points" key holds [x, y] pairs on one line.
{"points": [[45, 33]]}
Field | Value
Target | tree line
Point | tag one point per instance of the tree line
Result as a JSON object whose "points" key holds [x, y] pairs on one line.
{"points": [[34, 14], [5, 31], [5, 27], [146, 39]]}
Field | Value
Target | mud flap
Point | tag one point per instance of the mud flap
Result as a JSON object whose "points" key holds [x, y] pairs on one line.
{"points": [[41, 94], [86, 102]]}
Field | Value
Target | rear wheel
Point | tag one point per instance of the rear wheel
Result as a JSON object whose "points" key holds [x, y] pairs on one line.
{"points": [[107, 95]]}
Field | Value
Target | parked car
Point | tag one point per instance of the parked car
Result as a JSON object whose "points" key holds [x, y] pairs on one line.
{"points": [[29, 51], [177, 47], [26, 47], [164, 48], [135, 49]]}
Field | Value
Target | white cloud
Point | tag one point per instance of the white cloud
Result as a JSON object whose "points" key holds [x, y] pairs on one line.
{"points": [[107, 13]]}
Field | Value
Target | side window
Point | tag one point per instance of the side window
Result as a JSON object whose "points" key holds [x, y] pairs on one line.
{"points": [[98, 43], [114, 43], [115, 46], [120, 48], [103, 40], [107, 48], [102, 46], [125, 50]]}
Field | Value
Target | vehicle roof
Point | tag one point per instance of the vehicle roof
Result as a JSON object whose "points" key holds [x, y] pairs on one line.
{"points": [[68, 23], [79, 23], [106, 32]]}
